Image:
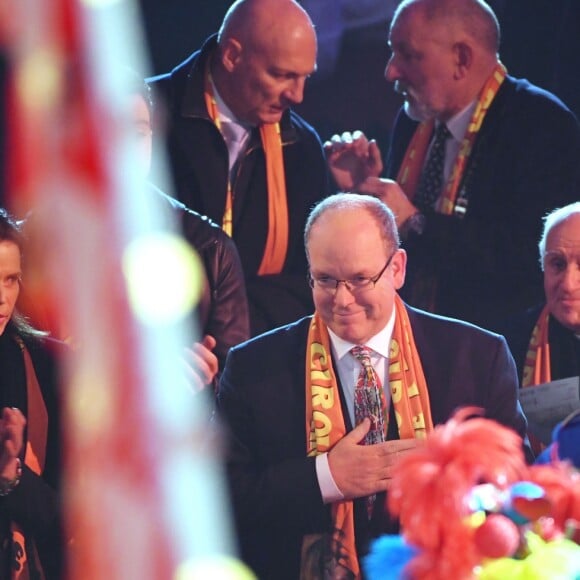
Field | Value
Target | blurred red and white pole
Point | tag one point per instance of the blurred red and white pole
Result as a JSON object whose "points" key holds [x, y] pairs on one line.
{"points": [[144, 493]]}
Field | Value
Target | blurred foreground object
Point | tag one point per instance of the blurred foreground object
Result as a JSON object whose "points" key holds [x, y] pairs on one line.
{"points": [[470, 508], [143, 495]]}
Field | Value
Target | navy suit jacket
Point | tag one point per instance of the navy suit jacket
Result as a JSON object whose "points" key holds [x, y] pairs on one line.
{"points": [[524, 163], [275, 491]]}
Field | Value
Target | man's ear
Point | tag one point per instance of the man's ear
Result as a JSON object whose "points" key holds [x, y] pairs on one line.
{"points": [[231, 53], [463, 59], [399, 267]]}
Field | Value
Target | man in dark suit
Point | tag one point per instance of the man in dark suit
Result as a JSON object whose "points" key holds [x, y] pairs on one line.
{"points": [[509, 154], [241, 156], [297, 402], [545, 340]]}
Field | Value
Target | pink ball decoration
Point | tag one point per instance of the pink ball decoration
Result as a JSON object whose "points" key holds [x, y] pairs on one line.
{"points": [[497, 537]]}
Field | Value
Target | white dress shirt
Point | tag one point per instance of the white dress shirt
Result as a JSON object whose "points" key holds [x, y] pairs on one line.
{"points": [[234, 132], [348, 369], [457, 126]]}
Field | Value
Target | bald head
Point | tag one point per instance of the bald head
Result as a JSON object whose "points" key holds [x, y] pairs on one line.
{"points": [[474, 18], [259, 23], [343, 203], [266, 51]]}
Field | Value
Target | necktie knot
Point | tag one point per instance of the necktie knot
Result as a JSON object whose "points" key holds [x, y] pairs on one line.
{"points": [[362, 354], [442, 133]]}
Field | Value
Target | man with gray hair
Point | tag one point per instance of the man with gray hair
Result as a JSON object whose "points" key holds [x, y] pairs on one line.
{"points": [[545, 341], [478, 157], [298, 401]]}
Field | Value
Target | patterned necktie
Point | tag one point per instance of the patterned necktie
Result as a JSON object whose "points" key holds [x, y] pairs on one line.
{"points": [[369, 403], [368, 399], [431, 181]]}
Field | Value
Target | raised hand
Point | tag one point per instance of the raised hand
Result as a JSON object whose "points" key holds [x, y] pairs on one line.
{"points": [[352, 158], [201, 363], [12, 423], [391, 194]]}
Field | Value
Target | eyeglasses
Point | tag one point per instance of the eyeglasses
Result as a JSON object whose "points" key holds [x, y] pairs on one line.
{"points": [[355, 285]]}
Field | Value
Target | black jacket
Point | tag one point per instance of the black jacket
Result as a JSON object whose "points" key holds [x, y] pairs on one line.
{"points": [[223, 306], [35, 503], [274, 487], [525, 163], [199, 161]]}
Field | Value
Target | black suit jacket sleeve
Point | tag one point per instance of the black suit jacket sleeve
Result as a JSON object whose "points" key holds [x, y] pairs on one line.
{"points": [[33, 504], [228, 320], [502, 402], [273, 483], [468, 366]]}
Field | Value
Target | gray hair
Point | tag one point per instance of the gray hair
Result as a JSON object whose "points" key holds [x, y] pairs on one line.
{"points": [[475, 17], [553, 219]]}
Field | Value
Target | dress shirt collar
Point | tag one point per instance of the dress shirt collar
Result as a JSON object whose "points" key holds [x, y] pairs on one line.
{"points": [[225, 113], [379, 342], [458, 124]]}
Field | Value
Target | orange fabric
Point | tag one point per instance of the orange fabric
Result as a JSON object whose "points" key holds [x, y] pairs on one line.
{"points": [[537, 369], [325, 424], [277, 238], [410, 171], [37, 425], [537, 364]]}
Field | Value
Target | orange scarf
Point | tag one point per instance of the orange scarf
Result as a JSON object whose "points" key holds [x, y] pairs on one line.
{"points": [[277, 239], [537, 365], [412, 165], [325, 423]]}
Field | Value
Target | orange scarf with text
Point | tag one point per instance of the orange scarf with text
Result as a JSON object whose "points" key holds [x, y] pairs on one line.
{"points": [[277, 238], [412, 165], [537, 364], [325, 423]]}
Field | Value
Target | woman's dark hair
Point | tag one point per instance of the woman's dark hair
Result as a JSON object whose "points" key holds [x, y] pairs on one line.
{"points": [[11, 230]]}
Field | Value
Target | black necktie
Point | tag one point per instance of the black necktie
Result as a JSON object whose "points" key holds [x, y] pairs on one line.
{"points": [[431, 181]]}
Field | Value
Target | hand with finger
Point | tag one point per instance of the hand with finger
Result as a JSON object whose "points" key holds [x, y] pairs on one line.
{"points": [[352, 158]]}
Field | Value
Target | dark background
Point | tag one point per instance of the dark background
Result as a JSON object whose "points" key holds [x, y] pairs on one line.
{"points": [[540, 41]]}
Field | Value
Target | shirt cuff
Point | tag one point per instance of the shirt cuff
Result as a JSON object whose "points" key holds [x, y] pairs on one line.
{"points": [[328, 488]]}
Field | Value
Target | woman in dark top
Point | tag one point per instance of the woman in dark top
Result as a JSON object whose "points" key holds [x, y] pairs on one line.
{"points": [[30, 523]]}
